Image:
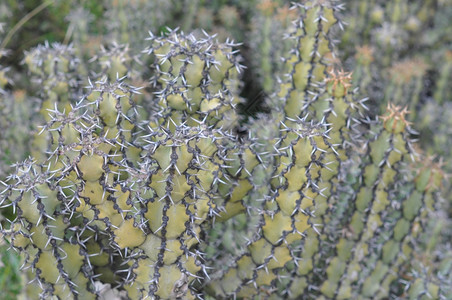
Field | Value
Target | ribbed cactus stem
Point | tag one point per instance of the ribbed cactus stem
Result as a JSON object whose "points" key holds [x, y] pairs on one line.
{"points": [[286, 215], [386, 152], [55, 260], [414, 209], [115, 61], [307, 64], [337, 106], [57, 70], [197, 79], [183, 198]]}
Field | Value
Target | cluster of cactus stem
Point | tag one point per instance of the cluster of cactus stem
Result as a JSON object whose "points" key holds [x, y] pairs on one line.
{"points": [[380, 40], [140, 176]]}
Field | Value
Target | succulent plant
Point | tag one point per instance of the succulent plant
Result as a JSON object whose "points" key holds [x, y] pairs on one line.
{"points": [[144, 175]]}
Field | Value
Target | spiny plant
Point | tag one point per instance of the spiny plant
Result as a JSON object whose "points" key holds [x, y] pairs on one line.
{"points": [[153, 191], [409, 41], [271, 20]]}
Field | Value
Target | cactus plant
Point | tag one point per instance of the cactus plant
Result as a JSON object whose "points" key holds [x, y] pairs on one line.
{"points": [[145, 177], [270, 22]]}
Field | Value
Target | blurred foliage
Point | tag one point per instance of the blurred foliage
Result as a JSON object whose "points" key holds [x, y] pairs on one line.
{"points": [[10, 276]]}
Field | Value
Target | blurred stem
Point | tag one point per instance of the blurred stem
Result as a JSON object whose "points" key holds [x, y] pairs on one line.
{"points": [[68, 34], [23, 21], [189, 14]]}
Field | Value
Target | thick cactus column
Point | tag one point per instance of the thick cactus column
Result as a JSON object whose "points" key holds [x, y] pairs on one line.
{"points": [[115, 60], [307, 64], [42, 231], [285, 215], [178, 195], [58, 71], [410, 223], [338, 108], [197, 81], [387, 152], [70, 202], [237, 183]]}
